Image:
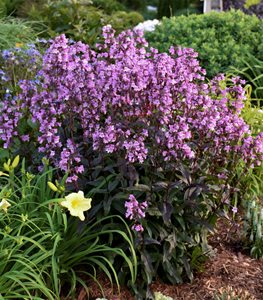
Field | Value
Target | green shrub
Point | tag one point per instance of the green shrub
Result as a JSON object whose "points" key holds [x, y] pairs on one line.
{"points": [[122, 20], [221, 39], [109, 6], [82, 21], [46, 254]]}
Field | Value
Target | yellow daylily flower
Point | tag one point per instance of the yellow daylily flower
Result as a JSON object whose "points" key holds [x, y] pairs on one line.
{"points": [[76, 203], [4, 204]]}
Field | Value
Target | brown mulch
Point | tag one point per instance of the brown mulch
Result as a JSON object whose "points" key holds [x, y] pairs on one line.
{"points": [[229, 270]]}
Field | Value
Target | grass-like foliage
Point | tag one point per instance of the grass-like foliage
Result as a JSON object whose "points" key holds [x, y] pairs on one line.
{"points": [[46, 254], [253, 73], [16, 31], [253, 226]]}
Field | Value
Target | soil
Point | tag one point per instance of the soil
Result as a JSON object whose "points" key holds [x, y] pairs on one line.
{"points": [[231, 271]]}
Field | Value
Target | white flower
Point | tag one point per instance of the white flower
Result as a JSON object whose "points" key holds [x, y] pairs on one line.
{"points": [[147, 25]]}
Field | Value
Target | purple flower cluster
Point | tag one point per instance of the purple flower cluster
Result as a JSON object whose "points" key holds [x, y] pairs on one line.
{"points": [[70, 157], [128, 99], [9, 118], [135, 211], [15, 63]]}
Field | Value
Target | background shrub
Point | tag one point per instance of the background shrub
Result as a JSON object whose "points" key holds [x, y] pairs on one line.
{"points": [[221, 39], [81, 20]]}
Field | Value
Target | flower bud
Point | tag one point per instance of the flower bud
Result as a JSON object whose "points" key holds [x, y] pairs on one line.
{"points": [[6, 167], [15, 162], [52, 186]]}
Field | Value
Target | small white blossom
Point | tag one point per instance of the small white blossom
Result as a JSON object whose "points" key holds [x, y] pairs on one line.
{"points": [[147, 25]]}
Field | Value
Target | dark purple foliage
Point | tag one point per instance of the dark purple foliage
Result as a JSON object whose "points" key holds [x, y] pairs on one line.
{"points": [[239, 4]]}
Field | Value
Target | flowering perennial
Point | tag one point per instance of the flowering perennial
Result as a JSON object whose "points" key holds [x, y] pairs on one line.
{"points": [[135, 211], [128, 99]]}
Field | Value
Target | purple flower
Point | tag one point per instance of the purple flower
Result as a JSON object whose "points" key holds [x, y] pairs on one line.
{"points": [[234, 209], [137, 227], [135, 211], [129, 100]]}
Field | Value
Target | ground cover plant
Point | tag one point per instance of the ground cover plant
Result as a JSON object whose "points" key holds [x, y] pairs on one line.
{"points": [[45, 253], [144, 134], [221, 39]]}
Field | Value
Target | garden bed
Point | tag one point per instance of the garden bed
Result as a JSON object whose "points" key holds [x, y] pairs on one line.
{"points": [[231, 270]]}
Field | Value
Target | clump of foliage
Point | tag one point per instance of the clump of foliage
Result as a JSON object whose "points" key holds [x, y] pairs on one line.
{"points": [[145, 134], [9, 7], [253, 73], [230, 293], [253, 226], [81, 20], [221, 39], [46, 254], [15, 31], [252, 186], [160, 296], [109, 6]]}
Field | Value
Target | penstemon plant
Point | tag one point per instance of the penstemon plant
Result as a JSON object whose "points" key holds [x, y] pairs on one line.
{"points": [[125, 99], [146, 135]]}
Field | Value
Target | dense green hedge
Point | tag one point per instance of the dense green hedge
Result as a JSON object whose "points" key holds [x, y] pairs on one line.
{"points": [[221, 39]]}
